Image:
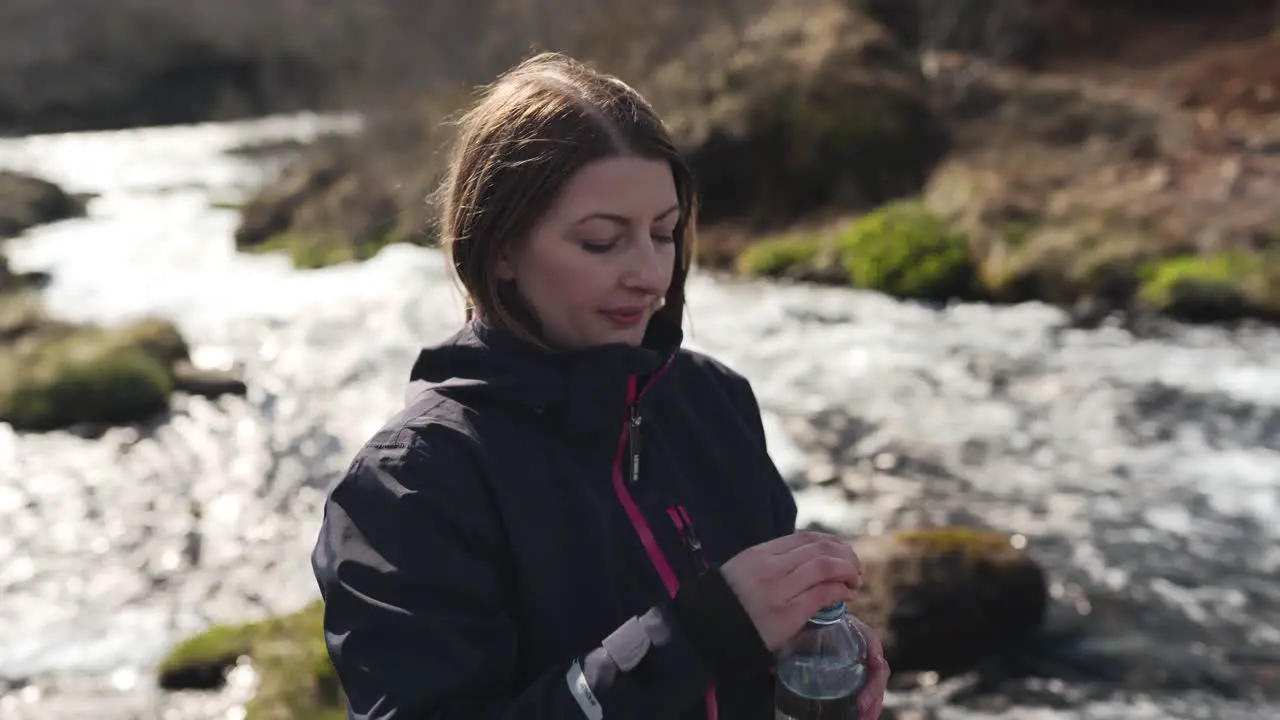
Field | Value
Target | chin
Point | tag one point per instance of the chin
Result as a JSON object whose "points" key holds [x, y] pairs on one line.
{"points": [[628, 337], [606, 334], [636, 336]]}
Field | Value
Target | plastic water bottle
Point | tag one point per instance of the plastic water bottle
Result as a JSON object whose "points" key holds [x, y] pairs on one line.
{"points": [[822, 669]]}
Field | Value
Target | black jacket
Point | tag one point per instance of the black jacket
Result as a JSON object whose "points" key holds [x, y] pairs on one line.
{"points": [[538, 536]]}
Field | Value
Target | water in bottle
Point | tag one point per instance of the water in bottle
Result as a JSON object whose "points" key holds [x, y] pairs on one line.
{"points": [[822, 669]]}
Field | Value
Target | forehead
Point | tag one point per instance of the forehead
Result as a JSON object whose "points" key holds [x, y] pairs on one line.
{"points": [[632, 187]]}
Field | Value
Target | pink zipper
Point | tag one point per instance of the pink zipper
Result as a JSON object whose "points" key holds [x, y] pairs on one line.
{"points": [[638, 521]]}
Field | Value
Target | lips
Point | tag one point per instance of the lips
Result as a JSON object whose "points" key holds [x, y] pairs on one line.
{"points": [[625, 317]]}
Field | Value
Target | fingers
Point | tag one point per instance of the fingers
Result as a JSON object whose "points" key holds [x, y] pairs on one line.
{"points": [[871, 700], [821, 544], [787, 543], [784, 581], [818, 568]]}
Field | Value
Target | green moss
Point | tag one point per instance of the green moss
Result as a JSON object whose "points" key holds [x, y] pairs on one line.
{"points": [[906, 251], [157, 337], [109, 385], [296, 679], [1239, 278], [310, 251], [55, 374], [785, 256], [214, 650], [900, 249], [968, 541]]}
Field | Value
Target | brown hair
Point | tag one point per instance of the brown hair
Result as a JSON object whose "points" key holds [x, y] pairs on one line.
{"points": [[531, 129]]}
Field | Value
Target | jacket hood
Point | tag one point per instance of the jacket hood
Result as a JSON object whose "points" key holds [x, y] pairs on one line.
{"points": [[585, 388]]}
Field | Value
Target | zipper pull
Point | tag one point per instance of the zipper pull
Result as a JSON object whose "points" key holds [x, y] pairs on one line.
{"points": [[692, 538], [633, 442], [685, 524]]}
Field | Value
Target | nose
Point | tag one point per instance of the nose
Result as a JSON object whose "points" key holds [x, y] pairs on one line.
{"points": [[648, 268]]}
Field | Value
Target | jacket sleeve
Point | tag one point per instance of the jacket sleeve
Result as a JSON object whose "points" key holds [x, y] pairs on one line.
{"points": [[784, 503], [411, 561]]}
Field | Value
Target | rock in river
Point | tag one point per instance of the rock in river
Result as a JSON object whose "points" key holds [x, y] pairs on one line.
{"points": [[945, 599], [56, 374], [26, 201]]}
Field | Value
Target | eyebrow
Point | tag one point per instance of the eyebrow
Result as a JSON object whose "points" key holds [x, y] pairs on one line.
{"points": [[622, 219]]}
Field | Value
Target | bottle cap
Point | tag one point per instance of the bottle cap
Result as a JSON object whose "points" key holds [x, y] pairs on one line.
{"points": [[830, 614]]}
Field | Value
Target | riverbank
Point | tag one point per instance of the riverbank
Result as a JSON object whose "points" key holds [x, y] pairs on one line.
{"points": [[1145, 195]]}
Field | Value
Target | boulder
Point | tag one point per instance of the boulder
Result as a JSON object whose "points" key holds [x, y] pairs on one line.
{"points": [[56, 374], [79, 375], [945, 599], [812, 106], [27, 201], [348, 197], [296, 679]]}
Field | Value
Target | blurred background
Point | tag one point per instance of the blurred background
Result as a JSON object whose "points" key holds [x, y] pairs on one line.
{"points": [[1005, 275]]}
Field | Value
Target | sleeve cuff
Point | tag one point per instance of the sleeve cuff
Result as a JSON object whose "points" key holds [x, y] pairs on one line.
{"points": [[711, 616]]}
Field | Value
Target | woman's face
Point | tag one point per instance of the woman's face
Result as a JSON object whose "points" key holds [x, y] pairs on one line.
{"points": [[598, 264]]}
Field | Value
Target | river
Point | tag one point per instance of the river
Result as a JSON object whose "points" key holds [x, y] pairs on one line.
{"points": [[1144, 471]]}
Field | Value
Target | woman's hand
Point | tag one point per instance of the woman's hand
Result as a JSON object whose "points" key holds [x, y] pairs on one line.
{"points": [[871, 699], [783, 582]]}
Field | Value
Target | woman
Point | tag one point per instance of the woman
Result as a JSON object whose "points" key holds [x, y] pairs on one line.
{"points": [[573, 517]]}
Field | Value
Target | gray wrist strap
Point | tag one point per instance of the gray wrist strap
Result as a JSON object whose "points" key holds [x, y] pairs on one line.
{"points": [[627, 645]]}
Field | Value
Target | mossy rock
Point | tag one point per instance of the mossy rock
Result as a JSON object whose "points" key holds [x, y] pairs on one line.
{"points": [[296, 679], [971, 542], [906, 251], [945, 599], [58, 374], [346, 198], [317, 249], [791, 256], [900, 249], [1066, 261], [158, 338], [1118, 266], [95, 384], [201, 662], [1213, 287], [322, 211]]}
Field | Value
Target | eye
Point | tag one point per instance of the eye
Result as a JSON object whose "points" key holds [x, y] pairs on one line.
{"points": [[664, 239], [599, 247]]}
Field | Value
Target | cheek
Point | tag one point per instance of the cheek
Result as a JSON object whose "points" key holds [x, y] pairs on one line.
{"points": [[564, 285]]}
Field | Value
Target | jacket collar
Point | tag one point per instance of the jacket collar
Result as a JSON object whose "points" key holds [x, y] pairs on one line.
{"points": [[585, 389]]}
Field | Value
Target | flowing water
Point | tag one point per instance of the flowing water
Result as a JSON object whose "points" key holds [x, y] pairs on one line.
{"points": [[1145, 472]]}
